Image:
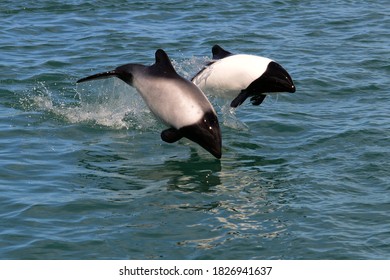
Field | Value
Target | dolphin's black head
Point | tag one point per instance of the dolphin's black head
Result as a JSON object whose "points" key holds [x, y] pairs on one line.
{"points": [[206, 133], [274, 79]]}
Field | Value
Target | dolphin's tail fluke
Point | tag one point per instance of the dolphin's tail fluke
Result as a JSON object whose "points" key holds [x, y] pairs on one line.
{"points": [[122, 73], [99, 76]]}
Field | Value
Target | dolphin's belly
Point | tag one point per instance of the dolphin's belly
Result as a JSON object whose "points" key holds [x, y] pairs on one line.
{"points": [[171, 102]]}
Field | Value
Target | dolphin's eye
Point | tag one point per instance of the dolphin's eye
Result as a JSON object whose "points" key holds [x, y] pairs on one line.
{"points": [[205, 121]]}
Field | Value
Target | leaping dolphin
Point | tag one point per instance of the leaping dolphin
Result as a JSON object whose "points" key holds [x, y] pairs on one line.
{"points": [[176, 101], [239, 76]]}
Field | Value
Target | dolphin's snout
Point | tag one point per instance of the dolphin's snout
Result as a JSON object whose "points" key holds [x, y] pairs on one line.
{"points": [[214, 144]]}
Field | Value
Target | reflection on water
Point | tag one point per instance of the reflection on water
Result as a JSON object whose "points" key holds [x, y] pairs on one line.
{"points": [[208, 203]]}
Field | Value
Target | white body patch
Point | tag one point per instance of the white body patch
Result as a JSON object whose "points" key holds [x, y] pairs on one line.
{"points": [[228, 76], [175, 102]]}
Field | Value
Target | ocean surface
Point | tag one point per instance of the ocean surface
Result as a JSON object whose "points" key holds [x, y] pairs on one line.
{"points": [[85, 175]]}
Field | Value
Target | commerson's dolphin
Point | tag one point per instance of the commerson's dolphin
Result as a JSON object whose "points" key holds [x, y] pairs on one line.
{"points": [[239, 76], [174, 100]]}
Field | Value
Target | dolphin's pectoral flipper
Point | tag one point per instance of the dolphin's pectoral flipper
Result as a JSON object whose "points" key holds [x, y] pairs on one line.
{"points": [[171, 135], [240, 99], [258, 99]]}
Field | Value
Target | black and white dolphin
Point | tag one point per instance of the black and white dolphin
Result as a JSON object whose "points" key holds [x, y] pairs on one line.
{"points": [[174, 100], [239, 76]]}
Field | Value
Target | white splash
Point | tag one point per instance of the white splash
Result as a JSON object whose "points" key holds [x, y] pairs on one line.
{"points": [[109, 103]]}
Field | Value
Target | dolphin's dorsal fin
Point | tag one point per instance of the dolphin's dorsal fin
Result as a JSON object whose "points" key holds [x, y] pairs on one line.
{"points": [[163, 64], [219, 53]]}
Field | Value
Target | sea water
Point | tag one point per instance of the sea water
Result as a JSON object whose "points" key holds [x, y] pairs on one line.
{"points": [[85, 175]]}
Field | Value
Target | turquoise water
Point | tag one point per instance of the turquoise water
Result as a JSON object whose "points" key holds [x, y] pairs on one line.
{"points": [[85, 175]]}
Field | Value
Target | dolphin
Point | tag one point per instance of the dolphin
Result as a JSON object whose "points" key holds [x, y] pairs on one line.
{"points": [[239, 76], [177, 102]]}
